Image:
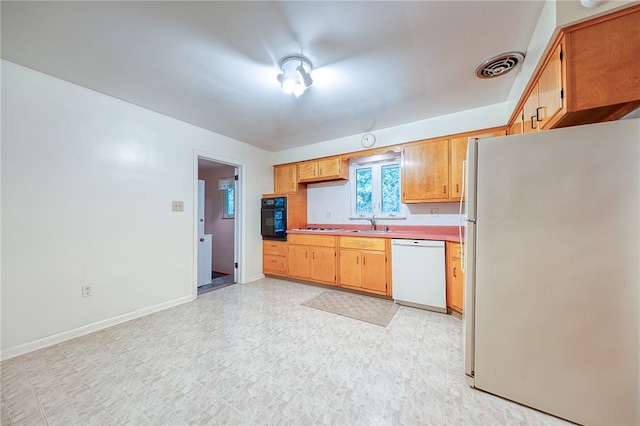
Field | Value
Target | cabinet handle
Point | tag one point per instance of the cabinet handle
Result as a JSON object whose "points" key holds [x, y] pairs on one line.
{"points": [[533, 126], [457, 188], [444, 189], [538, 114], [313, 256], [357, 260], [364, 261], [306, 253], [454, 272]]}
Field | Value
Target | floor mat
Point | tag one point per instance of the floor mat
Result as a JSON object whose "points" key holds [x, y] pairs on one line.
{"points": [[367, 309]]}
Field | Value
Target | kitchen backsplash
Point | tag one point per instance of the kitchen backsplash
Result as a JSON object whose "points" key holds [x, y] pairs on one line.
{"points": [[329, 203]]}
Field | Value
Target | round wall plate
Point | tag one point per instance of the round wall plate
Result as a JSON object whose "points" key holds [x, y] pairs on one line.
{"points": [[368, 140]]}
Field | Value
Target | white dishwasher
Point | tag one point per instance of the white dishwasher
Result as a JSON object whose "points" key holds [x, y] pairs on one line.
{"points": [[418, 274]]}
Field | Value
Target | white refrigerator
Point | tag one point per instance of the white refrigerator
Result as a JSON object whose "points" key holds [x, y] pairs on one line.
{"points": [[552, 271]]}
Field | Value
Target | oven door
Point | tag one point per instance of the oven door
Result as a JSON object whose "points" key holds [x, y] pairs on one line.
{"points": [[273, 224]]}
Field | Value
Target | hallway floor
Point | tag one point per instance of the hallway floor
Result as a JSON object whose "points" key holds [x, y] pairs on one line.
{"points": [[252, 354], [218, 281]]}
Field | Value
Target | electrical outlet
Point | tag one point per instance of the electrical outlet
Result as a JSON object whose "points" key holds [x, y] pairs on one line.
{"points": [[434, 212], [87, 291], [177, 206]]}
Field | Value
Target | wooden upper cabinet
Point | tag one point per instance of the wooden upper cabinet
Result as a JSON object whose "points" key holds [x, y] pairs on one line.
{"points": [[546, 99], [425, 172], [457, 155], [308, 170], [603, 63], [551, 89], [590, 75], [529, 111], [285, 178], [518, 124], [323, 170]]}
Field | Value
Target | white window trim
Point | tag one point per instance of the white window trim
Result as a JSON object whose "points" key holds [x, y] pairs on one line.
{"points": [[375, 161]]}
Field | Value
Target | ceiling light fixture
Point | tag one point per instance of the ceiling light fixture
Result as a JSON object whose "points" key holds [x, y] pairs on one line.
{"points": [[296, 74]]}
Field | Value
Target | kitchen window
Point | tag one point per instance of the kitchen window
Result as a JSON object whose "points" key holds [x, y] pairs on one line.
{"points": [[375, 187]]}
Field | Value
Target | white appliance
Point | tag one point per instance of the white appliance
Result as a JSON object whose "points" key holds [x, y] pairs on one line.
{"points": [[418, 274], [552, 271]]}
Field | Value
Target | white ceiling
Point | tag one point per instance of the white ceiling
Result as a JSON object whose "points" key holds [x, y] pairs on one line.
{"points": [[214, 64]]}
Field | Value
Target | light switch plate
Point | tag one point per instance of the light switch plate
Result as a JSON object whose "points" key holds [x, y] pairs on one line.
{"points": [[177, 206]]}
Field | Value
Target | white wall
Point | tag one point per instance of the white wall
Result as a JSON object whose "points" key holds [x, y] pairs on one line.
{"points": [[334, 198], [464, 121], [87, 185]]}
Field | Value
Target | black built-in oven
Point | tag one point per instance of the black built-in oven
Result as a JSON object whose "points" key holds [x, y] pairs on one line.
{"points": [[273, 222]]}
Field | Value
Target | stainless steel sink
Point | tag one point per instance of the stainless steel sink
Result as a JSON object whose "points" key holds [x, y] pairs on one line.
{"points": [[369, 231]]}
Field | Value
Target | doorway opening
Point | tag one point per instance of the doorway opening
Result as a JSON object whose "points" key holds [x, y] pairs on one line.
{"points": [[217, 221]]}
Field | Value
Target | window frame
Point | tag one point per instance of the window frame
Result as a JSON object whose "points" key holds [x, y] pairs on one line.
{"points": [[376, 163], [227, 186]]}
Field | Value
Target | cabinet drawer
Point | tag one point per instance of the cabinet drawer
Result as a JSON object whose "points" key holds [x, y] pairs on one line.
{"points": [[312, 240], [363, 243], [274, 263], [276, 248], [454, 250]]}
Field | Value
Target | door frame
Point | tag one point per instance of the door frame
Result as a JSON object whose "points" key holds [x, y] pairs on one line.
{"points": [[238, 214]]}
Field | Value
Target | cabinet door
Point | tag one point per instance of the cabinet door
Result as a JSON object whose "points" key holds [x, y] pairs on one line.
{"points": [[455, 279], [350, 267], [458, 153], [285, 178], [457, 297], [329, 167], [602, 63], [425, 171], [529, 110], [308, 170], [299, 261], [550, 99], [323, 264], [518, 124], [374, 271]]}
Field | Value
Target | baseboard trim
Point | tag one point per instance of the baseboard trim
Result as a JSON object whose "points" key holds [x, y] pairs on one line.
{"points": [[89, 328], [254, 278]]}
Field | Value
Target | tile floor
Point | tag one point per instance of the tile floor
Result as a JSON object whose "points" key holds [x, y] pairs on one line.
{"points": [[252, 355]]}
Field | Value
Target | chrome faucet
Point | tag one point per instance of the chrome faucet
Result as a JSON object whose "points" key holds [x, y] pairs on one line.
{"points": [[373, 222]]}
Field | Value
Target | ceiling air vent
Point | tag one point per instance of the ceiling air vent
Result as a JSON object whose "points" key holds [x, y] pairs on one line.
{"points": [[499, 65]]}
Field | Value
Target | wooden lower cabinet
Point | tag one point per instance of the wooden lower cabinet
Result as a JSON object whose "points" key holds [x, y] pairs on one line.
{"points": [[455, 277], [274, 257], [312, 258], [363, 264]]}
